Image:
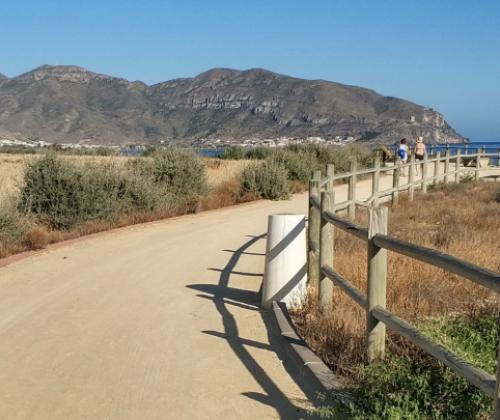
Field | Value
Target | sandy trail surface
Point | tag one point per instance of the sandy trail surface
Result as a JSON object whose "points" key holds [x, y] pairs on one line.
{"points": [[155, 321]]}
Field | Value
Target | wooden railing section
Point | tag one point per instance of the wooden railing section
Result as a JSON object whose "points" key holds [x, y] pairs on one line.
{"points": [[323, 277]]}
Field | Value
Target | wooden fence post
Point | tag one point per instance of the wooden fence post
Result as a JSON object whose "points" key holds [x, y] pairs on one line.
{"points": [[376, 178], [377, 278], [436, 168], [351, 190], [395, 180], [313, 238], [411, 178], [458, 161], [496, 400], [326, 251], [447, 167], [425, 170], [330, 172], [478, 164]]}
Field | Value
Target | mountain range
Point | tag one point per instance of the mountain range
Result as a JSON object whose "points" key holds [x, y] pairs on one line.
{"points": [[69, 104]]}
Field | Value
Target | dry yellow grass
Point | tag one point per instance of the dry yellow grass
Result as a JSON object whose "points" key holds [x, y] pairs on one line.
{"points": [[220, 171], [11, 172], [463, 221]]}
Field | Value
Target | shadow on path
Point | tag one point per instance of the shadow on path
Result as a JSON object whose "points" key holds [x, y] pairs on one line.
{"points": [[222, 295]]}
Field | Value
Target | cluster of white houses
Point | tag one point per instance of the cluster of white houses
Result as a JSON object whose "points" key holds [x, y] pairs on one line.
{"points": [[206, 143], [274, 142]]}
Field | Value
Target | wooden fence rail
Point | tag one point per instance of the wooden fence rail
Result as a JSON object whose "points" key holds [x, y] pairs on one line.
{"points": [[322, 276]]}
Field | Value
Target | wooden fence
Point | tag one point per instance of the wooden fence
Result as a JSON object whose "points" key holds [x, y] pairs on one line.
{"points": [[323, 277]]}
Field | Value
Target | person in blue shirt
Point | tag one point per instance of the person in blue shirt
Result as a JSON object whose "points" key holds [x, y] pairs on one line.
{"points": [[402, 152]]}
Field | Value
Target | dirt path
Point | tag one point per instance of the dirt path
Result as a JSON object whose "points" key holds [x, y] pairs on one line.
{"points": [[158, 321]]}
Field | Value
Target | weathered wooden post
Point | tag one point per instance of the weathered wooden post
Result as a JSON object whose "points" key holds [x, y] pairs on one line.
{"points": [[395, 180], [478, 164], [425, 169], [496, 400], [377, 278], [330, 172], [458, 162], [313, 237], [376, 178], [411, 178], [447, 167], [351, 190], [436, 168], [326, 251]]}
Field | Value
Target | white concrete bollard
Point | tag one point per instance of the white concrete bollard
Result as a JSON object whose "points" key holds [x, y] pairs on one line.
{"points": [[285, 273]]}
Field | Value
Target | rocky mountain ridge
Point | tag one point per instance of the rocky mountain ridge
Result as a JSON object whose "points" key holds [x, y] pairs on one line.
{"points": [[73, 105]]}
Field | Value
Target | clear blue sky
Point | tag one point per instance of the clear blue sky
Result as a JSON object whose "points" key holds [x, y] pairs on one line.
{"points": [[442, 53]]}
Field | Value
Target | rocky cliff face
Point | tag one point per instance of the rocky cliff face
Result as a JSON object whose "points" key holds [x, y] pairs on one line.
{"points": [[72, 104]]}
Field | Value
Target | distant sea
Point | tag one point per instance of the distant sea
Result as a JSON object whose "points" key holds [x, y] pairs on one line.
{"points": [[472, 147]]}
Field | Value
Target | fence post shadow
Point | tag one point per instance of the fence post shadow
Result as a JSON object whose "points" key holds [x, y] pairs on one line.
{"points": [[249, 300]]}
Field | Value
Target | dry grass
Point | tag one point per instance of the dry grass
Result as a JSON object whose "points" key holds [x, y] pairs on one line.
{"points": [[37, 237], [220, 171], [11, 173], [224, 194], [462, 220]]}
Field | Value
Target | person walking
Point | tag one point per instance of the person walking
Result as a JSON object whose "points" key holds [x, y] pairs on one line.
{"points": [[403, 154], [420, 151]]}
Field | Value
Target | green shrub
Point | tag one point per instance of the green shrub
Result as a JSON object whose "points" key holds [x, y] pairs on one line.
{"points": [[473, 338], [252, 153], [300, 166], [468, 178], [420, 387], [259, 153], [340, 156], [140, 166], [301, 160], [318, 156], [233, 153], [400, 388], [63, 194], [266, 179], [182, 173], [50, 191]]}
